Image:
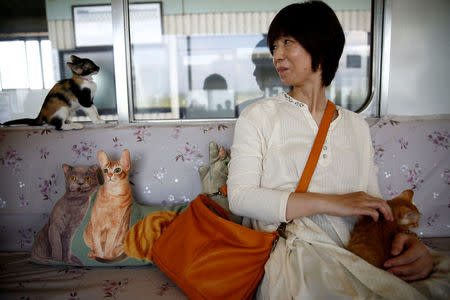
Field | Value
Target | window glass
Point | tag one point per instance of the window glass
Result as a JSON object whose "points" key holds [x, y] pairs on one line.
{"points": [[211, 62], [85, 19], [34, 64], [13, 65], [105, 95], [350, 87], [30, 66], [47, 64], [21, 70]]}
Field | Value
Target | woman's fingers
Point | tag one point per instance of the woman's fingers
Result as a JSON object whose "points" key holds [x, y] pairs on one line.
{"points": [[360, 203], [382, 206], [412, 261]]}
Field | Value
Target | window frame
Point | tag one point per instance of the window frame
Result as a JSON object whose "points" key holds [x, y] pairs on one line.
{"points": [[122, 56], [123, 70], [371, 107]]}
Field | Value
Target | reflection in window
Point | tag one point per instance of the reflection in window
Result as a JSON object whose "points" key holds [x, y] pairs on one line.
{"points": [[353, 61], [350, 88], [213, 65], [214, 100], [265, 75]]}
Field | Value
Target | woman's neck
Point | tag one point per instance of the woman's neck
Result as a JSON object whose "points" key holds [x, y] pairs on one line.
{"points": [[311, 95]]}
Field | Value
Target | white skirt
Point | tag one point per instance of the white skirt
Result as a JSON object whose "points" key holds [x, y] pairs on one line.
{"points": [[310, 265]]}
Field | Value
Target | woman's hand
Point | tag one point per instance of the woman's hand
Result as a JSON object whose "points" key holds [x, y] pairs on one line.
{"points": [[357, 204], [412, 260], [345, 205]]}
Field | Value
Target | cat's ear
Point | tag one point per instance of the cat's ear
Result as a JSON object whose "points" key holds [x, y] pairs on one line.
{"points": [[66, 168], [125, 159], [407, 195], [103, 159], [94, 169], [98, 174], [74, 58], [75, 68]]}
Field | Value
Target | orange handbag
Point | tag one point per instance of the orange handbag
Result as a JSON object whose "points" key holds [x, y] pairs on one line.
{"points": [[210, 257]]}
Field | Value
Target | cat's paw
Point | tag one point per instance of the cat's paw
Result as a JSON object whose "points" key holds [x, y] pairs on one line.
{"points": [[99, 121], [72, 126]]}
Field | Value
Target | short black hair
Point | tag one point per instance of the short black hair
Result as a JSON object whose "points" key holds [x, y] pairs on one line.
{"points": [[316, 27]]}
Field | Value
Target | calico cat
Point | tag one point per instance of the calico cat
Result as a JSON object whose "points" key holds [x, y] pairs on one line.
{"points": [[67, 96], [372, 240], [111, 211], [54, 241]]}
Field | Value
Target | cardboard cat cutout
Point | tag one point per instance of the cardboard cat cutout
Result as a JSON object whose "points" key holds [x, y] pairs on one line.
{"points": [[93, 232], [54, 241], [110, 217]]}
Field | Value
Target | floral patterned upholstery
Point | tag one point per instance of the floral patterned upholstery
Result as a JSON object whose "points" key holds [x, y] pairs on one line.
{"points": [[414, 153], [410, 152]]}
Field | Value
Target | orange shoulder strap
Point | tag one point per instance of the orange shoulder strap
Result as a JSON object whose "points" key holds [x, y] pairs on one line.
{"points": [[313, 155], [316, 148]]}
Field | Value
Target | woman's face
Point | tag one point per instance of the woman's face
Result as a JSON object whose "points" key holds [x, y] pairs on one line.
{"points": [[293, 62]]}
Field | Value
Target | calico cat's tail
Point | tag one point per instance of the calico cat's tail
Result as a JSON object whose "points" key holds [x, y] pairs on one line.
{"points": [[26, 121]]}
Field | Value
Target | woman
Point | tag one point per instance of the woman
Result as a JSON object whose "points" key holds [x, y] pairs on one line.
{"points": [[272, 141]]}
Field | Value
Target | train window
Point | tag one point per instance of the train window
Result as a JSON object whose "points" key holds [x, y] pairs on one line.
{"points": [[212, 60], [185, 59]]}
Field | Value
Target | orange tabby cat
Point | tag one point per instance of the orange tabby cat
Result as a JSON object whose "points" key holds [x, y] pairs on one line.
{"points": [[372, 240], [110, 217]]}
